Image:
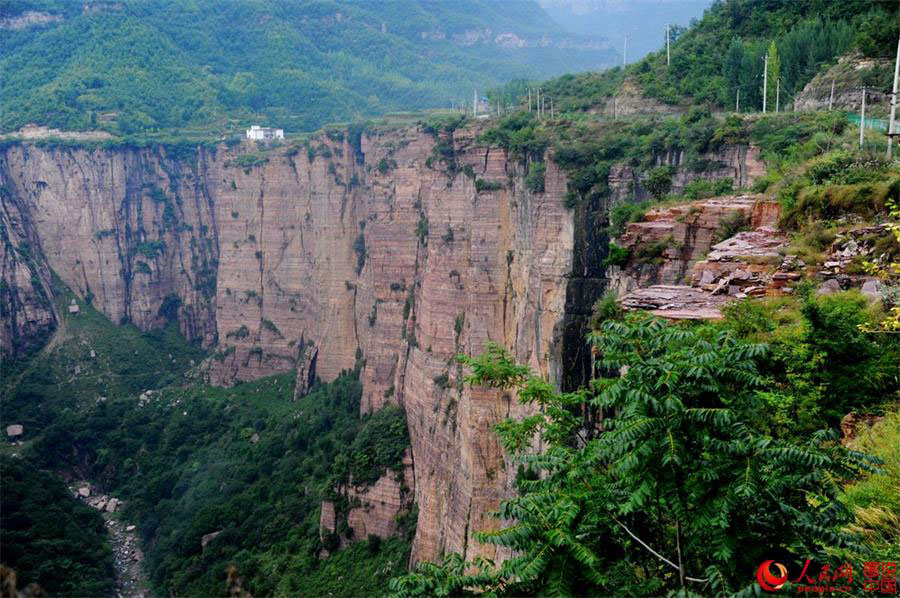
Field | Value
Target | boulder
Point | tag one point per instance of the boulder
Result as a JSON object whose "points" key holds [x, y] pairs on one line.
{"points": [[207, 538], [872, 289], [828, 287], [15, 430], [84, 491], [112, 505]]}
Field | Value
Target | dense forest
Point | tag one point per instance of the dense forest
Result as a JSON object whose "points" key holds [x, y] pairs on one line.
{"points": [[189, 460], [51, 539], [139, 66]]}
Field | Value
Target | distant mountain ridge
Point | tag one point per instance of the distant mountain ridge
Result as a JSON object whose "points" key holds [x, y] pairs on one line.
{"points": [[136, 66]]}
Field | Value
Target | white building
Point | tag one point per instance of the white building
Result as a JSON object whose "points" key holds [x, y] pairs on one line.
{"points": [[264, 133]]}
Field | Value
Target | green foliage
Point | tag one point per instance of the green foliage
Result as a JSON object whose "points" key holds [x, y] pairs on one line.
{"points": [[623, 213], [705, 188], [534, 180], [659, 181], [482, 185], [617, 256], [240, 333], [378, 446], [385, 165], [422, 229], [724, 51], [250, 160], [127, 362], [49, 537], [521, 135], [174, 65], [359, 247], [663, 450], [150, 249], [189, 460], [183, 476], [270, 326], [874, 499], [731, 224], [605, 308], [820, 364]]}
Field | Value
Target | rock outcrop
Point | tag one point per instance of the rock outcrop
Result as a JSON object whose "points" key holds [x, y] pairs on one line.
{"points": [[688, 260], [741, 164], [374, 509], [848, 76]]}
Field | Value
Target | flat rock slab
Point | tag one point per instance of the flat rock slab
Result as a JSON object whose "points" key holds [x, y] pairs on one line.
{"points": [[676, 302], [760, 243]]}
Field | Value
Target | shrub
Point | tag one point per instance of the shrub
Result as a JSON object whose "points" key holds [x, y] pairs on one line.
{"points": [[659, 181], [704, 188], [482, 185], [385, 164], [534, 180], [617, 256], [359, 247], [733, 223], [623, 213], [605, 308]]}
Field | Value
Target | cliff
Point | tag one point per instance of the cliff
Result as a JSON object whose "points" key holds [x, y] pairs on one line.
{"points": [[374, 253]]}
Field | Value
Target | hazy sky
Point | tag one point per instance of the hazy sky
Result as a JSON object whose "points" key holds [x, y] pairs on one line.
{"points": [[643, 20]]}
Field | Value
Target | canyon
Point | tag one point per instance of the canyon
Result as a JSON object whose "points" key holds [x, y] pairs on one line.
{"points": [[371, 250]]}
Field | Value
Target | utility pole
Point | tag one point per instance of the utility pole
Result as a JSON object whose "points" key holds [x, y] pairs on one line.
{"points": [[615, 108], [551, 108], [862, 118], [777, 94], [765, 81], [831, 97], [625, 52], [892, 127], [668, 54], [475, 103], [539, 102], [529, 99], [737, 101]]}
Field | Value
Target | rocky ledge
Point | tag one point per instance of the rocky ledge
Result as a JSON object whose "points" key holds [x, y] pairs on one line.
{"points": [[678, 270]]}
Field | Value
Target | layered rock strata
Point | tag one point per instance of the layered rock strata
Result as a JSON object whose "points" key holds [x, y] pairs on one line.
{"points": [[377, 253], [677, 244]]}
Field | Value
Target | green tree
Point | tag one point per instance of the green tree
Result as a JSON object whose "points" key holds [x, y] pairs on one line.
{"points": [[659, 181], [655, 476]]}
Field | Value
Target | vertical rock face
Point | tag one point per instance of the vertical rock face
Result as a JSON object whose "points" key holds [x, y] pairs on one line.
{"points": [[27, 313], [378, 254], [131, 232]]}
